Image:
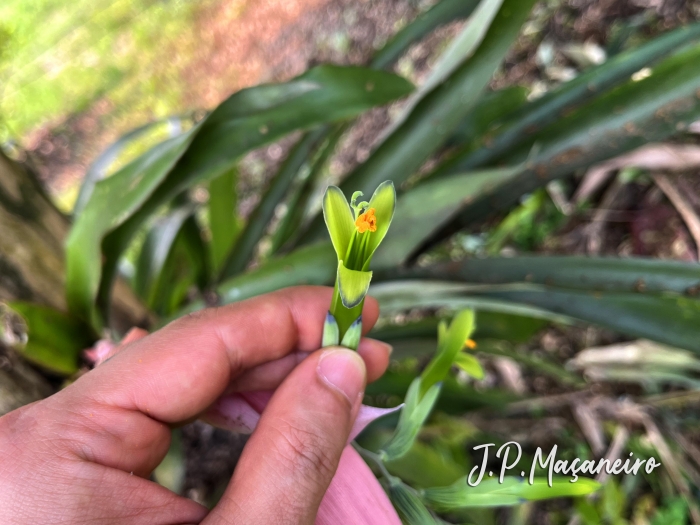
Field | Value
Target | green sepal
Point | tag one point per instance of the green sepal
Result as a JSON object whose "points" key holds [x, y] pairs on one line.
{"points": [[513, 491], [469, 364], [331, 332], [384, 203], [352, 285], [352, 336], [408, 505], [451, 343], [416, 410], [442, 332], [339, 220]]}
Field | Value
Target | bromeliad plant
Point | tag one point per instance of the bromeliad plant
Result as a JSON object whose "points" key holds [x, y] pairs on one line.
{"points": [[454, 344], [356, 231], [457, 153], [466, 131]]}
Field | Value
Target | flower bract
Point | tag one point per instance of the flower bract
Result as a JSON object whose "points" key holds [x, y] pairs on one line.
{"points": [[356, 231]]}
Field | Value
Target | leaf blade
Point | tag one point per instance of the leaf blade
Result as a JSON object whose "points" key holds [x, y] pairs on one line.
{"points": [[248, 119], [632, 114], [441, 111], [223, 218], [55, 340]]}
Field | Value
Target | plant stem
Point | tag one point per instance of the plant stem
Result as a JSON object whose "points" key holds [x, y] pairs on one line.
{"points": [[344, 316], [374, 458]]}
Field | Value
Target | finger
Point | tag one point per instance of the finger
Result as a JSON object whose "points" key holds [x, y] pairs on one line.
{"points": [[132, 335], [376, 355], [177, 372], [268, 376], [293, 453], [99, 495], [174, 374]]}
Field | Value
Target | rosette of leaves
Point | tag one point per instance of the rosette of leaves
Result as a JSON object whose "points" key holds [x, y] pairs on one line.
{"points": [[458, 153]]}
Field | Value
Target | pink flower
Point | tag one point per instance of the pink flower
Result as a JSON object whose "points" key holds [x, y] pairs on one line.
{"points": [[100, 352], [354, 497]]}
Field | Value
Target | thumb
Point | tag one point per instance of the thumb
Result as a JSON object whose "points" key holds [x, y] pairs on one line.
{"points": [[293, 453]]}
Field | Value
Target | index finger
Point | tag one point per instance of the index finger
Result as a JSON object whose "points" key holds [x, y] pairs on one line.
{"points": [[177, 372]]}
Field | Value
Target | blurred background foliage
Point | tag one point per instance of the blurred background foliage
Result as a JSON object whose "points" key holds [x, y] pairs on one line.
{"points": [[59, 58], [546, 158]]}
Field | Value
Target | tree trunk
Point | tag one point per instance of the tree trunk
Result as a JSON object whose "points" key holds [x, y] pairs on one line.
{"points": [[32, 268]]}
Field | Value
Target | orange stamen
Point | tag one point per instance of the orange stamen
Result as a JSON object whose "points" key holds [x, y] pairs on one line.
{"points": [[470, 343], [366, 221]]}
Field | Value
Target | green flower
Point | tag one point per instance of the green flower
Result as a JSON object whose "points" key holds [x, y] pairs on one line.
{"points": [[356, 231]]}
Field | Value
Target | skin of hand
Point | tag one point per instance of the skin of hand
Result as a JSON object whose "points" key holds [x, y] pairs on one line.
{"points": [[84, 455]]}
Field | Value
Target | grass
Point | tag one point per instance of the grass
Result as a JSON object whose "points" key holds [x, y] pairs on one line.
{"points": [[58, 57]]}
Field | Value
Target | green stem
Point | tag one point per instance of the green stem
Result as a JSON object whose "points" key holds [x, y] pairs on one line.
{"points": [[374, 458], [344, 316]]}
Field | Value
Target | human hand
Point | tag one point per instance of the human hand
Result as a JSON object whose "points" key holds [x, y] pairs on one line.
{"points": [[84, 454]]}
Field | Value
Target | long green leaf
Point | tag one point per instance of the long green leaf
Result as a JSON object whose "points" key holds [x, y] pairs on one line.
{"points": [[641, 298], [441, 13], [248, 119], [54, 340], [172, 260], [587, 273], [667, 318], [513, 491], [526, 122], [459, 50], [224, 222], [489, 325], [487, 116], [315, 264], [110, 203], [156, 248], [98, 169], [464, 44], [623, 119], [413, 415], [438, 114], [259, 219], [664, 317], [298, 204], [426, 208], [401, 295], [188, 267]]}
